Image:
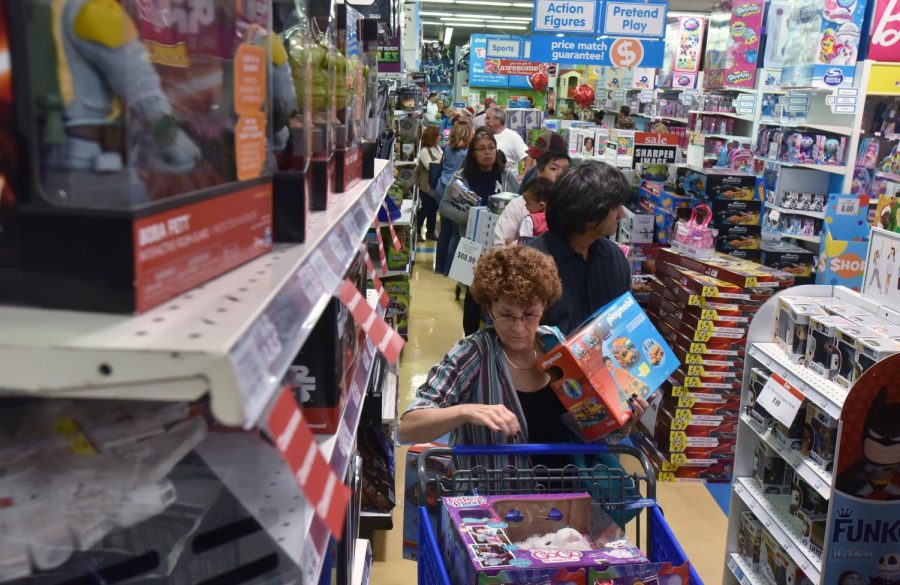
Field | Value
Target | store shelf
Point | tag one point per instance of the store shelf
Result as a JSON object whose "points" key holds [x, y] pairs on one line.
{"points": [[233, 337], [823, 393], [746, 139], [844, 130], [257, 475], [404, 163], [742, 571], [672, 119], [811, 473], [811, 239], [725, 114], [785, 528], [815, 214], [362, 563], [888, 176], [837, 170]]}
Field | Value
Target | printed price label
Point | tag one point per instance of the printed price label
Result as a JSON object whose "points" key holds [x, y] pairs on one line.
{"points": [[781, 400], [467, 254], [848, 206]]}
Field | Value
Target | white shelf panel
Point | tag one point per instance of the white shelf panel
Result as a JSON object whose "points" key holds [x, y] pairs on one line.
{"points": [[742, 571], [815, 214], [845, 130], [730, 137], [811, 239], [835, 169], [389, 396], [813, 474], [785, 528], [823, 393], [233, 337], [725, 114], [362, 563]]}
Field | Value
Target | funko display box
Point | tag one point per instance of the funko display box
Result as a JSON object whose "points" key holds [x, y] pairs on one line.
{"points": [[775, 565], [771, 473], [819, 437], [435, 468], [617, 353], [871, 350], [822, 355], [845, 339], [527, 538], [792, 325], [749, 539], [791, 437], [116, 149]]}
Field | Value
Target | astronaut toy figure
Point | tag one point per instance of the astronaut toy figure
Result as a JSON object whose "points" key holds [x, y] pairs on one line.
{"points": [[104, 114]]}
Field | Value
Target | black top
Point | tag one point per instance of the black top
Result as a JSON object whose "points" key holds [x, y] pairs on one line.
{"points": [[543, 415], [588, 284], [484, 185]]}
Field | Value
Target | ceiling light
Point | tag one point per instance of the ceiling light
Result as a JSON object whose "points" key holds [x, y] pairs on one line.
{"points": [[433, 23], [448, 34], [438, 1], [469, 25], [506, 26], [463, 17], [517, 18]]}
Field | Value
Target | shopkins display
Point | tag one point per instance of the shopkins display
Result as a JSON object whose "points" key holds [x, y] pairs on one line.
{"points": [[684, 41], [830, 62], [615, 354], [173, 187], [732, 44], [529, 538]]}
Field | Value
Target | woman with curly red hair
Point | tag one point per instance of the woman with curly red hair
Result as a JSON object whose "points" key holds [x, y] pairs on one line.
{"points": [[488, 390]]}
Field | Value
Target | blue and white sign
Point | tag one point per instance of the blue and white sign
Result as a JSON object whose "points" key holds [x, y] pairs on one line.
{"points": [[508, 48], [636, 20], [599, 51], [566, 16], [484, 68], [631, 18]]}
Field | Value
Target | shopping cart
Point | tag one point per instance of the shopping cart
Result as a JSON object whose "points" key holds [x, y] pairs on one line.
{"points": [[616, 490]]}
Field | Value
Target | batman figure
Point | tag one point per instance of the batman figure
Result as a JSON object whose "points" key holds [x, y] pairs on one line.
{"points": [[876, 476]]}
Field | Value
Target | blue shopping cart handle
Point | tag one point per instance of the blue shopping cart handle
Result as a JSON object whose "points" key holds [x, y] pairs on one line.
{"points": [[530, 449]]}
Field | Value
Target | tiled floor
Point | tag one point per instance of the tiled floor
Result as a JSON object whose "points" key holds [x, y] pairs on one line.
{"points": [[435, 325]]}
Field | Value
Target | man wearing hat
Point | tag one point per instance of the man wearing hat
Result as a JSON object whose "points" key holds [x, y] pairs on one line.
{"points": [[546, 142]]}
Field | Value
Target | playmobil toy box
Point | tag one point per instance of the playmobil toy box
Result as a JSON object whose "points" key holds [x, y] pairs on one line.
{"points": [[617, 353], [823, 46], [529, 538]]}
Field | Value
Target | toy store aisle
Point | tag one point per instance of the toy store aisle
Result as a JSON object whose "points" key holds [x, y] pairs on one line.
{"points": [[435, 324]]}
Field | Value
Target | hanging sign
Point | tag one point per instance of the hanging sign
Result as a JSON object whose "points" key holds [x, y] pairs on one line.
{"points": [[510, 67], [599, 51], [632, 18], [884, 43], [488, 51]]}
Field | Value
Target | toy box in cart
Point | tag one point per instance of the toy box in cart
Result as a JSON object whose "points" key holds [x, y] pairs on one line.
{"points": [[552, 538], [617, 353]]}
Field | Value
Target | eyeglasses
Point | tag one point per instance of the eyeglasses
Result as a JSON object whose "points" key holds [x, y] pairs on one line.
{"points": [[486, 149], [509, 320]]}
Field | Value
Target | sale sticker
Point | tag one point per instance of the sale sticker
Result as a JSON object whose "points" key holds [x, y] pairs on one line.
{"points": [[316, 478], [781, 400], [462, 269]]}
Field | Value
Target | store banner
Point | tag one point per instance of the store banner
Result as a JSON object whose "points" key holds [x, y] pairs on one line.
{"points": [[485, 55], [510, 67], [628, 18], [602, 52], [318, 481], [389, 56], [884, 43]]}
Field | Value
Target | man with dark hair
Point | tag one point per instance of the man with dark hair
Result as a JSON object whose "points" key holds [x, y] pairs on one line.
{"points": [[584, 209], [548, 141], [550, 166]]}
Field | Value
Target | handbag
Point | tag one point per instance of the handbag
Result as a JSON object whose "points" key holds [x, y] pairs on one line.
{"points": [[422, 178], [695, 236], [434, 174]]}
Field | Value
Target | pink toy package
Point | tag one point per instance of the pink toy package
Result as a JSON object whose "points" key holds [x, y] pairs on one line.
{"points": [[731, 57]]}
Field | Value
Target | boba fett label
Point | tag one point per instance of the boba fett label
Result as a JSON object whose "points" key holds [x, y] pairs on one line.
{"points": [[864, 528]]}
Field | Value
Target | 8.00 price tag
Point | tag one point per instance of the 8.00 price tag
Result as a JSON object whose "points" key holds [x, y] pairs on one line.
{"points": [[781, 400]]}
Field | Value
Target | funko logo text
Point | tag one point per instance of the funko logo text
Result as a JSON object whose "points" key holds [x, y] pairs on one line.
{"points": [[879, 531], [747, 10], [738, 76], [847, 266], [553, 555]]}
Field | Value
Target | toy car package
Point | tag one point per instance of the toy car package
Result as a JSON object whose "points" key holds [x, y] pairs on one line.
{"points": [[617, 353], [742, 273]]}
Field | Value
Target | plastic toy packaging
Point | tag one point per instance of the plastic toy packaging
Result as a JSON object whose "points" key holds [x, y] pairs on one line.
{"points": [[695, 234]]}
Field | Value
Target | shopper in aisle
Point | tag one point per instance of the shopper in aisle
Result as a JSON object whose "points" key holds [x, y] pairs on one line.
{"points": [[550, 166], [428, 154], [508, 140], [623, 120], [454, 154], [487, 390], [549, 141], [431, 109], [479, 117], [584, 210]]}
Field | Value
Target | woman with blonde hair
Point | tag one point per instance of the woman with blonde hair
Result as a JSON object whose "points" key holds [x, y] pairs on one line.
{"points": [[454, 154]]}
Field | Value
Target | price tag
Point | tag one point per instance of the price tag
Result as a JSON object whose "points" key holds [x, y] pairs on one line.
{"points": [[324, 271], [646, 96], [781, 400], [848, 206], [310, 560], [467, 254], [312, 288], [345, 440], [339, 244]]}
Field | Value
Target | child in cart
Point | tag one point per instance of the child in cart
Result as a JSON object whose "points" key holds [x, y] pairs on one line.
{"points": [[488, 390]]}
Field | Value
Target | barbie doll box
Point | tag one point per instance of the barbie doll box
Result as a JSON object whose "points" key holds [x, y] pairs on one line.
{"points": [[615, 354]]}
